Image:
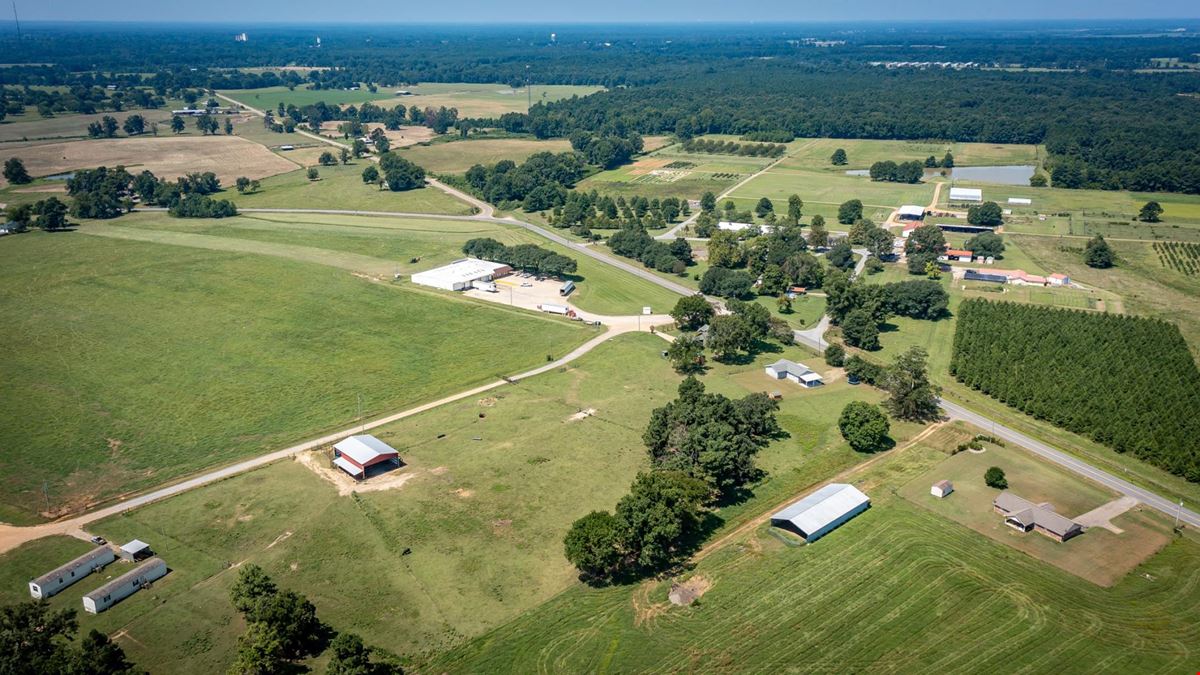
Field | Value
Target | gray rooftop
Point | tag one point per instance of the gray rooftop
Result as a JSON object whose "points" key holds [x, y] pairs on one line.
{"points": [[1027, 512], [85, 560], [134, 573], [822, 507]]}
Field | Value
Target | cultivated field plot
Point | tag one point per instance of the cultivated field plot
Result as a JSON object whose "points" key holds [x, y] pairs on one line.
{"points": [[495, 482], [247, 353], [481, 100], [1098, 555], [458, 156], [226, 156], [341, 187]]}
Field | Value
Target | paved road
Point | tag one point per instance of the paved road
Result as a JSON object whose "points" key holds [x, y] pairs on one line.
{"points": [[1074, 464], [12, 537]]}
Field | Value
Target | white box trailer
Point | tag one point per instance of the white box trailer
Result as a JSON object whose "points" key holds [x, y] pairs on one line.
{"points": [[57, 579], [124, 586], [489, 286], [555, 309]]}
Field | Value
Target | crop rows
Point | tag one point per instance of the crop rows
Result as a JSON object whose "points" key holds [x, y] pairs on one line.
{"points": [[1180, 256]]}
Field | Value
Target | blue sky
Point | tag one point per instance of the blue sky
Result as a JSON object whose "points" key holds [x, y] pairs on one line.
{"points": [[615, 11]]}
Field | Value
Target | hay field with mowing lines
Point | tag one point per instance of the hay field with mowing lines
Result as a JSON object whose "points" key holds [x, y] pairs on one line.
{"points": [[226, 156], [341, 187], [148, 361], [814, 153], [897, 589], [458, 156]]}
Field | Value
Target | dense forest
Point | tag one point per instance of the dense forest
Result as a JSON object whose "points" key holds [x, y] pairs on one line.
{"points": [[1104, 125], [1127, 382]]}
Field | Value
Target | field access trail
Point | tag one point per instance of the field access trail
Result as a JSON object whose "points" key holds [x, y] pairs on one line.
{"points": [[12, 536]]}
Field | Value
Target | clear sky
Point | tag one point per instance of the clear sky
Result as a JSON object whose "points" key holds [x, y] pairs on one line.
{"points": [[608, 11]]}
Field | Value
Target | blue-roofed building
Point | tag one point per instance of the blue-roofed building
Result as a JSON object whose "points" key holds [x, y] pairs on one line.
{"points": [[976, 275], [821, 512]]}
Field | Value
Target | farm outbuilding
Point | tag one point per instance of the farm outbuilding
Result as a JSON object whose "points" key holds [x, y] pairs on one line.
{"points": [[822, 511], [941, 489], [973, 195], [796, 372], [358, 454], [957, 254], [135, 550], [910, 212], [977, 275], [124, 586], [461, 274], [59, 578]]}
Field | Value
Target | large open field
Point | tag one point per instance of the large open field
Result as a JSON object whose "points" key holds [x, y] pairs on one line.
{"points": [[458, 156], [167, 157], [814, 153], [31, 127], [341, 187], [471, 99], [136, 362]]}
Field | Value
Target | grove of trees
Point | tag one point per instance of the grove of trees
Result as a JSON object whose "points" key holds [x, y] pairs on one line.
{"points": [[527, 257], [1127, 382]]}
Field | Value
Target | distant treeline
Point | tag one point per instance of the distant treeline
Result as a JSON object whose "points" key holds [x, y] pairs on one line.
{"points": [[1127, 382]]}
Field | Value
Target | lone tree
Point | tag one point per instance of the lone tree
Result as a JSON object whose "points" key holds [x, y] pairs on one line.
{"points": [[1151, 212], [177, 124], [327, 159], [686, 354], [708, 202], [242, 183], [948, 161], [15, 173], [1098, 253], [864, 426], [370, 174], [763, 207], [729, 335], [850, 211], [835, 355], [795, 209], [313, 174], [692, 312], [838, 158], [987, 214], [911, 396], [994, 477]]}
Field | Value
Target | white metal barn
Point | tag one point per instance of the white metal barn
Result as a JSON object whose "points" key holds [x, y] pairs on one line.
{"points": [[910, 212], [124, 586], [796, 372], [461, 274], [822, 511], [59, 578], [966, 194], [730, 226]]}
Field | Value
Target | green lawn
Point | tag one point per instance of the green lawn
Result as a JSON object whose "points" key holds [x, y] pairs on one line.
{"points": [[270, 97], [458, 156], [831, 189], [145, 362], [341, 187], [897, 589]]}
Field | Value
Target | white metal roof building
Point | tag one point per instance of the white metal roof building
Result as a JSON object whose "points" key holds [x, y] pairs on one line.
{"points": [[135, 549], [796, 372], [910, 212], [357, 454], [822, 511], [460, 274], [124, 586], [731, 226], [1020, 201], [966, 194]]}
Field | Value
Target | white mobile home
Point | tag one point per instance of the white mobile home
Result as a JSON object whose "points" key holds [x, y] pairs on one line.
{"points": [[59, 578], [821, 512], [124, 586]]}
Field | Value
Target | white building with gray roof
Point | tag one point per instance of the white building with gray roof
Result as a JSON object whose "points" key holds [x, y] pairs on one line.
{"points": [[799, 373], [821, 512], [56, 580]]}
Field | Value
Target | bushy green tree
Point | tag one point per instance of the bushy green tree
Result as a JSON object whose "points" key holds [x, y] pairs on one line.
{"points": [[988, 214], [861, 330], [835, 355], [692, 312], [1151, 212], [986, 244], [729, 335], [864, 426], [850, 211], [686, 353], [838, 158], [593, 545], [911, 396], [994, 477], [15, 173], [1098, 253]]}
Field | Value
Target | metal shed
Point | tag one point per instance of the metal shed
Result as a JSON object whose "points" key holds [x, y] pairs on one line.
{"points": [[821, 512]]}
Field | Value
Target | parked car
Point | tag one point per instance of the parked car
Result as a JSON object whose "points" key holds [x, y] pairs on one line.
{"points": [[99, 541]]}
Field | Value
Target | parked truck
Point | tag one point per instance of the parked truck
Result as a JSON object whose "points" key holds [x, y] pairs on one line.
{"points": [[561, 310]]}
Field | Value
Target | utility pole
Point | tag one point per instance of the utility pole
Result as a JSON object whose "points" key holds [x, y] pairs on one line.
{"points": [[16, 20], [1177, 510], [361, 426]]}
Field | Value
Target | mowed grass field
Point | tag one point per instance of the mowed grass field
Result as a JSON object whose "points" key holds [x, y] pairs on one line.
{"points": [[458, 156], [32, 127], [146, 362], [341, 188], [495, 483], [897, 589], [167, 157], [269, 98], [814, 153], [474, 99]]}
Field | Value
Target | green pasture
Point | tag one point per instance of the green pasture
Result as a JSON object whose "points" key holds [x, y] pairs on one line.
{"points": [[898, 588], [341, 188], [474, 99], [831, 189], [814, 153], [15, 130], [268, 98], [147, 362]]}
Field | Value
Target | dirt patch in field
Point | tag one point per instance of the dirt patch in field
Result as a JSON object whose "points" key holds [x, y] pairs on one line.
{"points": [[317, 461], [582, 415], [226, 156], [684, 594], [464, 493], [645, 166]]}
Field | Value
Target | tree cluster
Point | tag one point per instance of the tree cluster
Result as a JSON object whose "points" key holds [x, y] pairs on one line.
{"points": [[606, 151], [399, 173], [904, 172], [527, 257], [38, 640], [1127, 382], [537, 184], [723, 147], [585, 211], [634, 242]]}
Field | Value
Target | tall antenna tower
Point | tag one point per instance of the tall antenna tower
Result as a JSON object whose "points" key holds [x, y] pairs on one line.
{"points": [[16, 20]]}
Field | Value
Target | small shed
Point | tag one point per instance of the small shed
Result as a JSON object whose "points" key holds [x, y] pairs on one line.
{"points": [[358, 454], [941, 489], [135, 550]]}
